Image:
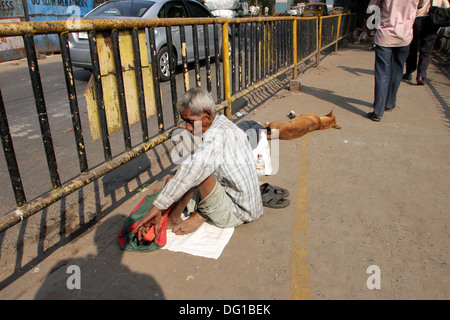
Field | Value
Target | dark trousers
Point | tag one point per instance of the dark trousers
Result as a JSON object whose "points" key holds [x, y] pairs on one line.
{"points": [[425, 34], [389, 62]]}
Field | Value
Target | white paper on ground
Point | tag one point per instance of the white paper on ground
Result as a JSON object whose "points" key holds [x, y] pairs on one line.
{"points": [[207, 241]]}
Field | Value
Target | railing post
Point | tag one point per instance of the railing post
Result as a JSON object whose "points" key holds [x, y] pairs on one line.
{"points": [[318, 39], [156, 86], [41, 110], [99, 96], [121, 88], [294, 47], [338, 32], [226, 69], [10, 156], [73, 102]]}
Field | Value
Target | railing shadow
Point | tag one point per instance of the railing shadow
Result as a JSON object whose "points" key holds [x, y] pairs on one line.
{"points": [[37, 237], [118, 282], [441, 91]]}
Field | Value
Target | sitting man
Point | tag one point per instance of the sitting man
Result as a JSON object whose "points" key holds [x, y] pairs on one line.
{"points": [[220, 177]]}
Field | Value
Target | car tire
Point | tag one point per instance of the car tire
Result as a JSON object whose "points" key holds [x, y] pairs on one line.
{"points": [[163, 64]]}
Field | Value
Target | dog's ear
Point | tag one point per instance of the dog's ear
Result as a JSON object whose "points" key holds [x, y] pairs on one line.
{"points": [[330, 114], [336, 126]]}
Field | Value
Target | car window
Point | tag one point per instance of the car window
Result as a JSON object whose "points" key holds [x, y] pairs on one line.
{"points": [[122, 9], [162, 12], [173, 9], [314, 7], [197, 10]]}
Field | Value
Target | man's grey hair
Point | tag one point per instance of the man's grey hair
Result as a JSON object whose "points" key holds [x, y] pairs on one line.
{"points": [[197, 100]]}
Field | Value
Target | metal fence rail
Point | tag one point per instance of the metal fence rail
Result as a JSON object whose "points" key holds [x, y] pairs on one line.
{"points": [[254, 52], [264, 49]]}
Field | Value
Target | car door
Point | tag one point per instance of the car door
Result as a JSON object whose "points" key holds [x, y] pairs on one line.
{"points": [[198, 11], [177, 9]]}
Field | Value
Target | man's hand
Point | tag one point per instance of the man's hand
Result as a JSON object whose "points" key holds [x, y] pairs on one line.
{"points": [[151, 219]]}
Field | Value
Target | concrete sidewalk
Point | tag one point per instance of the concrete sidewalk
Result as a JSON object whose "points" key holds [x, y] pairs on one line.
{"points": [[369, 194]]}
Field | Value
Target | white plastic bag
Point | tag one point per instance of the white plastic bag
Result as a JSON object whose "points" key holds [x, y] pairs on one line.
{"points": [[264, 149]]}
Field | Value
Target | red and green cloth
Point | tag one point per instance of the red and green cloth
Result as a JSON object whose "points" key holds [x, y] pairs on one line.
{"points": [[128, 240]]}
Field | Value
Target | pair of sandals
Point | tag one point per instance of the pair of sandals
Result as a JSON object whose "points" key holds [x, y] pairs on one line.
{"points": [[274, 197]]}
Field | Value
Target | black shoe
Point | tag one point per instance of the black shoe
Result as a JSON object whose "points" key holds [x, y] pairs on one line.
{"points": [[420, 81], [390, 109], [407, 76], [373, 117]]}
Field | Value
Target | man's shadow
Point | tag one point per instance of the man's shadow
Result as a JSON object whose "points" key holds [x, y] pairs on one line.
{"points": [[100, 276], [346, 103]]}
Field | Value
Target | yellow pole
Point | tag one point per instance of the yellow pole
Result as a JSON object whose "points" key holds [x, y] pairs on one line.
{"points": [[294, 45], [338, 32], [226, 69], [318, 36]]}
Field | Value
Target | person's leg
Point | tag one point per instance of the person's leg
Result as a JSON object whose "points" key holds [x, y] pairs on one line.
{"points": [[174, 217], [196, 218], [219, 208], [411, 60], [429, 35], [398, 61], [383, 58]]}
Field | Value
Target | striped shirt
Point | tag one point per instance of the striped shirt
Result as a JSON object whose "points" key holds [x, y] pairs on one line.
{"points": [[225, 152]]}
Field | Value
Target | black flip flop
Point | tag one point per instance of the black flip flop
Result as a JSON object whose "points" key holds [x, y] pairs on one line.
{"points": [[276, 191], [272, 201]]}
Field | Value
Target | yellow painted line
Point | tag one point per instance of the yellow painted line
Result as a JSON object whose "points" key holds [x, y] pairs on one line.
{"points": [[300, 276]]}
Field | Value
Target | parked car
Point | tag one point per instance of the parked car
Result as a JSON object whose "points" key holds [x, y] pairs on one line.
{"points": [[337, 10], [145, 9], [315, 9], [293, 11]]}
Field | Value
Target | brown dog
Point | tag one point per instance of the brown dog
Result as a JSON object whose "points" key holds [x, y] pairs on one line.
{"points": [[301, 124]]}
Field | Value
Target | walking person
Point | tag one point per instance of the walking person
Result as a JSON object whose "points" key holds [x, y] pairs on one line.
{"points": [[424, 37], [392, 40]]}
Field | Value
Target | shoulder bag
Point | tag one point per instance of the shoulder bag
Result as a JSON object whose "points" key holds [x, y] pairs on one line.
{"points": [[440, 16]]}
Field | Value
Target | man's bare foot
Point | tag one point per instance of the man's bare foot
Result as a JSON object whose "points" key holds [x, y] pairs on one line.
{"points": [[173, 220], [189, 225]]}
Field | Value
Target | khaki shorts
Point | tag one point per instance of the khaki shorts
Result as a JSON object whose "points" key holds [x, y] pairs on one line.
{"points": [[217, 206]]}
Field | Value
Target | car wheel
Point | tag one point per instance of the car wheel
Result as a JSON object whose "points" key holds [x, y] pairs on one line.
{"points": [[163, 64]]}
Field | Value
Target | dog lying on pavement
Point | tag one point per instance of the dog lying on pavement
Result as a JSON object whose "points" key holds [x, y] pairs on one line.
{"points": [[301, 124]]}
